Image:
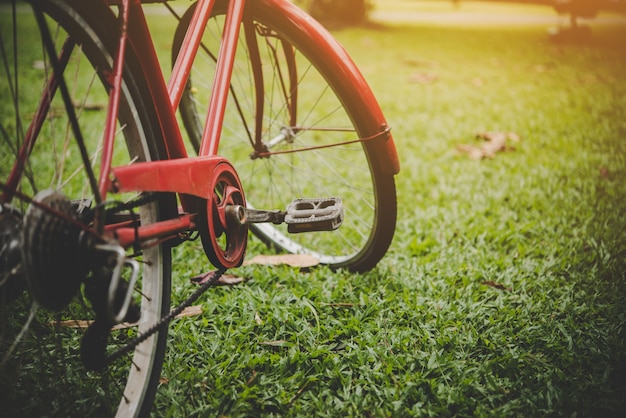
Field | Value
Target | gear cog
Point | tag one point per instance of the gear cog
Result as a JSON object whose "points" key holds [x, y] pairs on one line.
{"points": [[55, 260]]}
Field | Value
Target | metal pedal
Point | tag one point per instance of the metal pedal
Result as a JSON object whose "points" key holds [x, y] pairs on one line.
{"points": [[319, 214]]}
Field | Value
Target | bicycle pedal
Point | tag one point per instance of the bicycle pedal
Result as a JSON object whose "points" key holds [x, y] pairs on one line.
{"points": [[318, 214]]}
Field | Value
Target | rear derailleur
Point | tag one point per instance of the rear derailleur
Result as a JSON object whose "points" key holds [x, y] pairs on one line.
{"points": [[50, 251]]}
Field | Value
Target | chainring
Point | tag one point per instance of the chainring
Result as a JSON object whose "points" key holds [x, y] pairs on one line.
{"points": [[223, 238]]}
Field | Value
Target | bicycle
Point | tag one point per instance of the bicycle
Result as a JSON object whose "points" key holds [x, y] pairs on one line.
{"points": [[100, 180]]}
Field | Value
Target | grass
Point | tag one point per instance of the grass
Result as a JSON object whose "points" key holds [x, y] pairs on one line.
{"points": [[504, 292]]}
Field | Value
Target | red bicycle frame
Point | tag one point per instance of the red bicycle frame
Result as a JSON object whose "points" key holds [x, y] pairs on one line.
{"points": [[190, 172]]}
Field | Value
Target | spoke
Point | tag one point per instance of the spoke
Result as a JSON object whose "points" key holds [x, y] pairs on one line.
{"points": [[67, 140], [45, 33], [13, 78], [33, 310]]}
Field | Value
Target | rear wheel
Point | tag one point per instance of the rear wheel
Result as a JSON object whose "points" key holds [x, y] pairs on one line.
{"points": [[41, 369], [293, 130]]}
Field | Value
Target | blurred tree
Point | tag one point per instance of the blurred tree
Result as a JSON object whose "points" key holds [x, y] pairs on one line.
{"points": [[339, 12], [585, 9]]}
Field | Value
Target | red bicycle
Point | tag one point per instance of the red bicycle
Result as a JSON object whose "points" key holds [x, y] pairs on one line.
{"points": [[264, 125]]}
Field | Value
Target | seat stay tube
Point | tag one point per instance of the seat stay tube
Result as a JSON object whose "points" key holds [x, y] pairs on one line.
{"points": [[224, 68], [188, 50], [114, 101], [167, 97]]}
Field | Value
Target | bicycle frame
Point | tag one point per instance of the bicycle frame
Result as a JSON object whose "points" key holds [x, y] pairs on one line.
{"points": [[94, 239], [191, 172], [139, 39]]}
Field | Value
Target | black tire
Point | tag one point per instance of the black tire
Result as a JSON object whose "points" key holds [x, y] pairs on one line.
{"points": [[323, 111], [43, 373]]}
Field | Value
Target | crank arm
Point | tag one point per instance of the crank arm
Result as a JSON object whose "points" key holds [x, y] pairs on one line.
{"points": [[245, 216], [302, 215]]}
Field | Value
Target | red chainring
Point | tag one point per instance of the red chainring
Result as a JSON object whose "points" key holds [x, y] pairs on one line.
{"points": [[224, 238]]}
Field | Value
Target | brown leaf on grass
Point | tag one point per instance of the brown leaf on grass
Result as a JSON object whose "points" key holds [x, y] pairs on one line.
{"points": [[604, 172], [70, 323], [229, 280], [190, 311], [494, 142], [473, 152], [277, 343], [293, 260], [496, 285], [224, 280], [85, 323]]}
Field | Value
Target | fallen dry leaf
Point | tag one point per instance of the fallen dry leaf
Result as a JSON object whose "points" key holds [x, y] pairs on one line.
{"points": [[224, 280], [496, 285], [257, 319], [84, 323], [293, 260], [229, 280], [604, 172], [71, 323], [473, 152], [277, 343], [494, 142], [190, 311]]}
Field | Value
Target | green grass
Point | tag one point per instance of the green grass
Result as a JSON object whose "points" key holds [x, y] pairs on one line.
{"points": [[427, 333], [504, 292]]}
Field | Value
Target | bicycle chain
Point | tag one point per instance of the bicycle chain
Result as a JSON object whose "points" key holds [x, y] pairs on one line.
{"points": [[160, 325], [116, 207], [164, 321]]}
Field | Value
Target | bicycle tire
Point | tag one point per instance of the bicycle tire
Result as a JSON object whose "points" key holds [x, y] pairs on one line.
{"points": [[356, 173], [44, 375]]}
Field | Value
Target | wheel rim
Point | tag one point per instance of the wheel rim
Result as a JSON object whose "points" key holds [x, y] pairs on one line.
{"points": [[45, 364], [272, 179]]}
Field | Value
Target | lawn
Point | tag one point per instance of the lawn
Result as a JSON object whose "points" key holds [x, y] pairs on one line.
{"points": [[504, 291]]}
